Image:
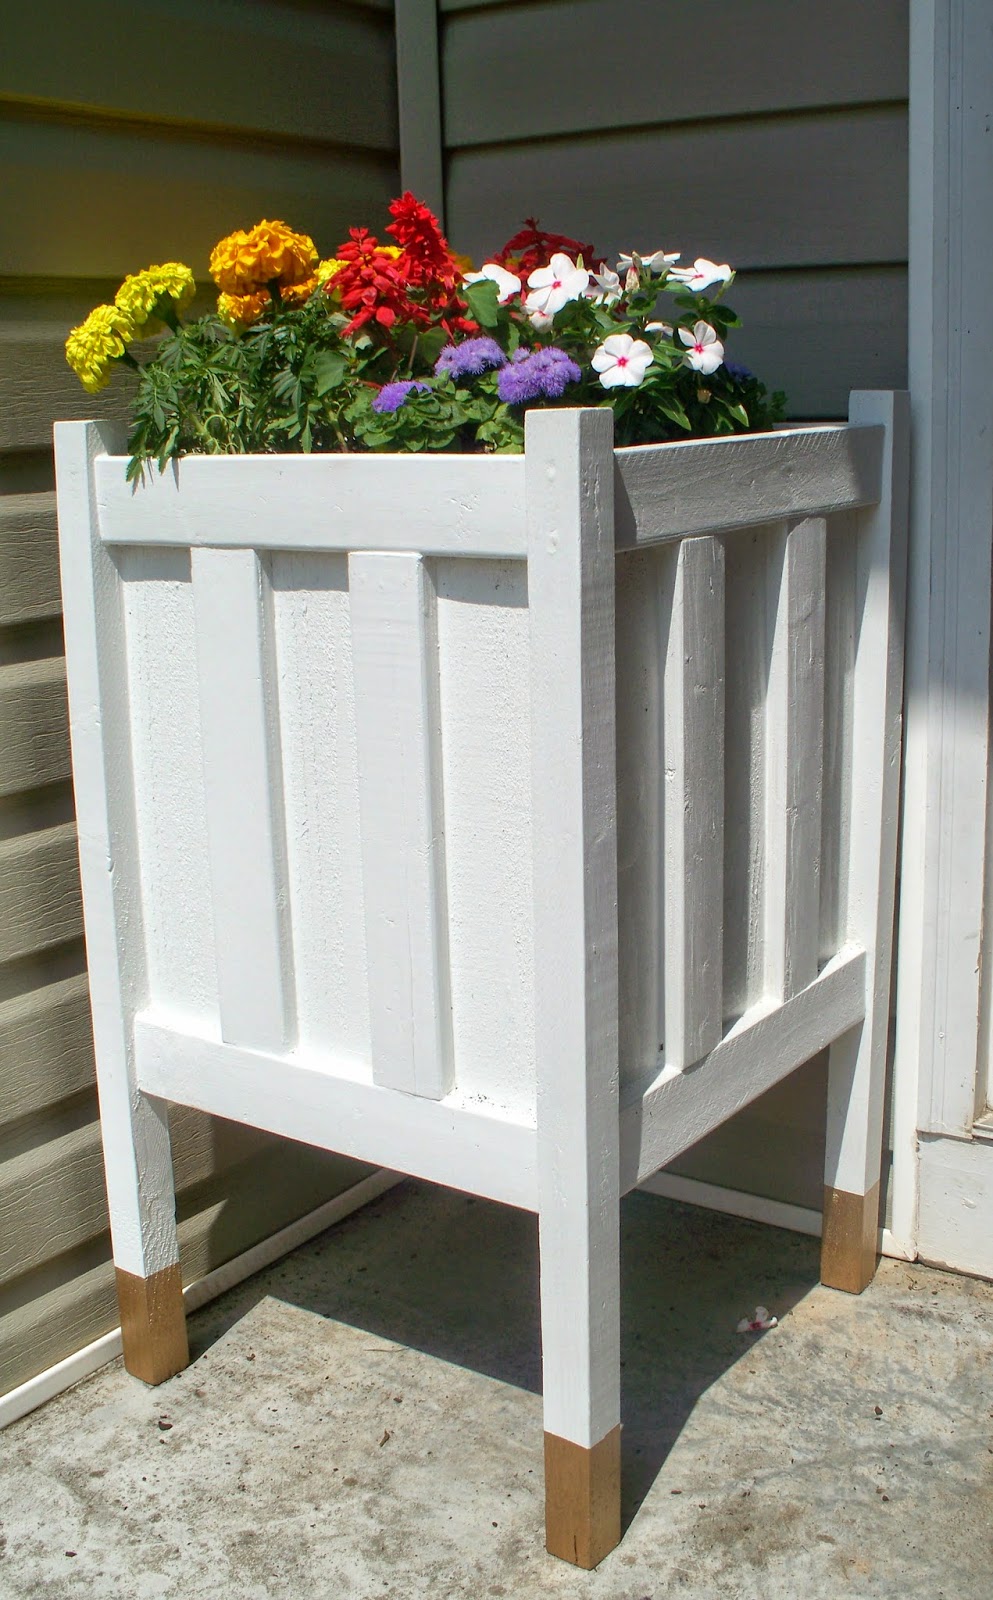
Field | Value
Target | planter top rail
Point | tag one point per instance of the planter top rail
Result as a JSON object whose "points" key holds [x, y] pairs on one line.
{"points": [[475, 505]]}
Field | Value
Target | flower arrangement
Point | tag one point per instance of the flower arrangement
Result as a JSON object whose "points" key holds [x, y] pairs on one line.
{"points": [[403, 346]]}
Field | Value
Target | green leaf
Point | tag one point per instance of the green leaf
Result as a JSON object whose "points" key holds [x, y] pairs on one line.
{"points": [[481, 299], [330, 367]]}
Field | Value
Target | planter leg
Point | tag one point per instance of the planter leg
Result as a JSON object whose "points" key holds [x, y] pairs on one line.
{"points": [[153, 1324], [582, 1499], [851, 1178]]}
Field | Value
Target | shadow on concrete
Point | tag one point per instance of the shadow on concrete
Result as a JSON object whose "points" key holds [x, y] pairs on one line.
{"points": [[457, 1278]]}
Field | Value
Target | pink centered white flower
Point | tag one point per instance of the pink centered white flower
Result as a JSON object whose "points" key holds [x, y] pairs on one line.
{"points": [[704, 351], [621, 361], [552, 287], [701, 275], [608, 287], [654, 263], [508, 283]]}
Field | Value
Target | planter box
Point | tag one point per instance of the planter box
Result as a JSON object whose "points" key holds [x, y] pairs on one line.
{"points": [[511, 822]]}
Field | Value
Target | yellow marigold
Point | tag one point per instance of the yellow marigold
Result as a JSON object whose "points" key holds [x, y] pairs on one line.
{"points": [[139, 293], [241, 310], [92, 348], [270, 252], [297, 294], [327, 269]]}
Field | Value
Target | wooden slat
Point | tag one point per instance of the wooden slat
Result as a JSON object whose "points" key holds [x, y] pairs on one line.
{"points": [[498, 87], [46, 1046], [693, 804], [39, 891], [123, 201], [325, 73], [239, 717], [29, 558], [34, 725], [462, 1148], [794, 760], [771, 194], [463, 505], [418, 71], [397, 720], [571, 581], [768, 1042], [665, 492]]}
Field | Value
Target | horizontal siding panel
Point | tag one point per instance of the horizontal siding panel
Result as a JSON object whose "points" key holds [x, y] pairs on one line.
{"points": [[810, 190], [818, 335], [29, 559], [46, 1046], [325, 73], [73, 1301], [787, 55], [40, 902], [124, 199], [34, 725]]}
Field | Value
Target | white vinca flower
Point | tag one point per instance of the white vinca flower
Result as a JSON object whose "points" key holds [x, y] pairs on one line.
{"points": [[508, 283], [702, 274], [552, 287], [659, 327], [655, 263], [704, 351], [621, 361], [608, 287]]}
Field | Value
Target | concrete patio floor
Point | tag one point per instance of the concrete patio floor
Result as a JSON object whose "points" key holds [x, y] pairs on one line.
{"points": [[364, 1419]]}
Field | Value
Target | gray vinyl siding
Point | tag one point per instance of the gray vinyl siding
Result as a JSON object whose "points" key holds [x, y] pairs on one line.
{"points": [[772, 135], [130, 134]]}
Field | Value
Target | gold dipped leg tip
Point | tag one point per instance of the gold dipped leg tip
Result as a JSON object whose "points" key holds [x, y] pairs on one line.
{"points": [[582, 1499]]}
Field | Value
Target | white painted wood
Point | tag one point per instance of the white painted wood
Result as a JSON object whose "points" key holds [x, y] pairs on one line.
{"points": [[661, 1120], [137, 1155], [956, 1203], [570, 505], [395, 672], [418, 73], [794, 754], [27, 1397], [693, 804], [240, 718], [452, 505], [942, 949], [309, 1096], [666, 492], [857, 1062]]}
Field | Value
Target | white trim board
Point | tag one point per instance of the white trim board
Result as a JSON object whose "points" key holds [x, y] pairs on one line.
{"points": [[755, 1208], [55, 1380], [956, 1204]]}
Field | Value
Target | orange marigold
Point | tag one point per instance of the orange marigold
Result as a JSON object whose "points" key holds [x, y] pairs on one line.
{"points": [[242, 263]]}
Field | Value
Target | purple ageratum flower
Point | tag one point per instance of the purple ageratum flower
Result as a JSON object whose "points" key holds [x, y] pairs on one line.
{"points": [[392, 395], [537, 375], [470, 358], [738, 372]]}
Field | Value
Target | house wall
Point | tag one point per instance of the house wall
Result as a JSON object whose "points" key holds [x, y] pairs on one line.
{"points": [[130, 134], [772, 135]]}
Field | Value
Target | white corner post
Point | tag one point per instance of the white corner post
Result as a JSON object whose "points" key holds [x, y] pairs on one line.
{"points": [[570, 514], [137, 1152], [419, 102], [857, 1061]]}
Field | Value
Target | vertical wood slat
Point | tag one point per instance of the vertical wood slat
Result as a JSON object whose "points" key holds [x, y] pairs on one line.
{"points": [[570, 506], [693, 803], [134, 1126], [395, 671], [243, 783], [794, 759]]}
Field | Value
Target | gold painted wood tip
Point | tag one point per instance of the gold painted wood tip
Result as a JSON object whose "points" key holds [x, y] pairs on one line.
{"points": [[849, 1239], [582, 1499], [153, 1324]]}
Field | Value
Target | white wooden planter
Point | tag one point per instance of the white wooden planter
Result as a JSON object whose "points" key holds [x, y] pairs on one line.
{"points": [[508, 822]]}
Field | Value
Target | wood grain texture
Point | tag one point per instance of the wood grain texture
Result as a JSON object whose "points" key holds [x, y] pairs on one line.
{"points": [[153, 1324], [46, 1045], [40, 902], [849, 1239], [328, 71], [401, 806], [776, 193], [453, 505], [34, 725], [497, 88], [693, 804], [29, 559], [582, 1499]]}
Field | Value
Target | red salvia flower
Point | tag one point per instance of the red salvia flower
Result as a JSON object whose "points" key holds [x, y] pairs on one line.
{"points": [[426, 258], [531, 247]]}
